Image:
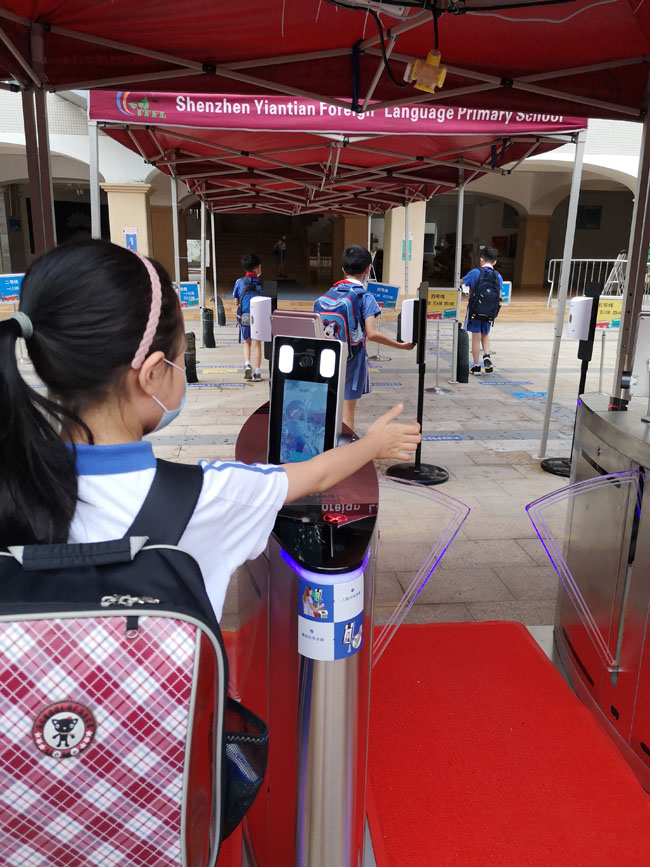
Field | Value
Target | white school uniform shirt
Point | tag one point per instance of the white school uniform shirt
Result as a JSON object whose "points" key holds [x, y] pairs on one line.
{"points": [[231, 523]]}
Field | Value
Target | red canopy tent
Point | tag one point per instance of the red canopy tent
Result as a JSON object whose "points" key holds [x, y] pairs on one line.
{"points": [[540, 56], [291, 156], [535, 55]]}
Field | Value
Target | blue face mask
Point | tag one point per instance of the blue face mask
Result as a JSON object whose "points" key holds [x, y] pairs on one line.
{"points": [[169, 414]]}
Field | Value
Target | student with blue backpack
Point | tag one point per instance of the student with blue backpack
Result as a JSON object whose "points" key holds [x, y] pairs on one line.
{"points": [[348, 313], [245, 288], [485, 285]]}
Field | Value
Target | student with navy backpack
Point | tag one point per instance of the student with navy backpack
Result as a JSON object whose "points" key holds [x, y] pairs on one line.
{"points": [[485, 285], [245, 288], [348, 312]]}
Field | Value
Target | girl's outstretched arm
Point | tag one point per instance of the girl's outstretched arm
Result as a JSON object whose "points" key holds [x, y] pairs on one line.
{"points": [[384, 439]]}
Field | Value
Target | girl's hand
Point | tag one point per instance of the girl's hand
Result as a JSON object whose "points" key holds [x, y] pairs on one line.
{"points": [[392, 439]]}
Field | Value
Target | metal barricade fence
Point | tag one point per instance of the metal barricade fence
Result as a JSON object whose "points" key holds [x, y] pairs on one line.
{"points": [[609, 272]]}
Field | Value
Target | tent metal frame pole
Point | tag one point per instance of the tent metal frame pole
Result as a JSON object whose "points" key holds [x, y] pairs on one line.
{"points": [[19, 57], [458, 260], [406, 249], [175, 232], [574, 196], [203, 268], [95, 209], [636, 272], [33, 171], [47, 193], [214, 258]]}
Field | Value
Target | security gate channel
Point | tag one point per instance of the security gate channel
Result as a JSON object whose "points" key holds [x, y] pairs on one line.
{"points": [[302, 620]]}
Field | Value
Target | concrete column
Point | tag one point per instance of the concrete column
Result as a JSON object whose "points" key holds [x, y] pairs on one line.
{"points": [[346, 231], [393, 241], [162, 237], [530, 261], [128, 208]]}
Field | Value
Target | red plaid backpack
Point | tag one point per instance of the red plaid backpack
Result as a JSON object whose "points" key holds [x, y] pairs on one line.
{"points": [[113, 700]]}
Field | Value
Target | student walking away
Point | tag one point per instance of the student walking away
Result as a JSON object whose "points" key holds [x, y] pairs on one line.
{"points": [[348, 312], [245, 288], [104, 331], [280, 250], [484, 285]]}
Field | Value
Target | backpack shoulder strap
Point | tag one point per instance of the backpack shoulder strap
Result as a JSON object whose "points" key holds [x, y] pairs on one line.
{"points": [[169, 504]]}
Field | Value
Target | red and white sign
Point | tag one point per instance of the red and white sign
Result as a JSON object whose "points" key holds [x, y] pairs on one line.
{"points": [[294, 114]]}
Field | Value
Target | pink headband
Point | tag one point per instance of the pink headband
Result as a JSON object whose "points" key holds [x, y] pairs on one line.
{"points": [[154, 313]]}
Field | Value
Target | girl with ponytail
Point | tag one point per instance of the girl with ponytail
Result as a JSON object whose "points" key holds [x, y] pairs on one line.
{"points": [[104, 331]]}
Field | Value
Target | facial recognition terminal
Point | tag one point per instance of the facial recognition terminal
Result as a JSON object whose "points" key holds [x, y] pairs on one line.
{"points": [[306, 397]]}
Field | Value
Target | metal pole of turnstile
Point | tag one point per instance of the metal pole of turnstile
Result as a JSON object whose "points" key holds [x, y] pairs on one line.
{"points": [[636, 273], [564, 283], [369, 230], [458, 261], [602, 361], [93, 151], [177, 246]]}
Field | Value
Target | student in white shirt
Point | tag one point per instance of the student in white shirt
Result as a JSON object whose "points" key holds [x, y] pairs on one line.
{"points": [[104, 331]]}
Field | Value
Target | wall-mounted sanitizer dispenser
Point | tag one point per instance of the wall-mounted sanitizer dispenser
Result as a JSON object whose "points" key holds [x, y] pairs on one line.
{"points": [[260, 311], [408, 330], [306, 397], [579, 317]]}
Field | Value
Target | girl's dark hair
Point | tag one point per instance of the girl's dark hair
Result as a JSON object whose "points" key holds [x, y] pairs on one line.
{"points": [[89, 303]]}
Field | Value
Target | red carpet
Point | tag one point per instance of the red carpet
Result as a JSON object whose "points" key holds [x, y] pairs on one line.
{"points": [[481, 754]]}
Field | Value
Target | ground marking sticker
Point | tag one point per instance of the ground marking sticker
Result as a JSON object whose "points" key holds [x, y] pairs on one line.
{"points": [[506, 382], [442, 437], [529, 395], [386, 383], [216, 385]]}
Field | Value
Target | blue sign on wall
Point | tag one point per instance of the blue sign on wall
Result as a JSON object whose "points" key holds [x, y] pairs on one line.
{"points": [[189, 294], [385, 294], [10, 286]]}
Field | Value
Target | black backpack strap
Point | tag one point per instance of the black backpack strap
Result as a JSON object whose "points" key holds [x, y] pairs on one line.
{"points": [[169, 504]]}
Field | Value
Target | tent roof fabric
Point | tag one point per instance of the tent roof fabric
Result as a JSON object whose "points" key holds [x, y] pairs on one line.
{"points": [[584, 56], [287, 171]]}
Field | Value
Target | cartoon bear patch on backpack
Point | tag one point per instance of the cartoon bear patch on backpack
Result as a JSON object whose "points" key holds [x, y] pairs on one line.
{"points": [[339, 313]]}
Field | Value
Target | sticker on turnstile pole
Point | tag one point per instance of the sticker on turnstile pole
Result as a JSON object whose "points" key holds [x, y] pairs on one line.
{"points": [[330, 619]]}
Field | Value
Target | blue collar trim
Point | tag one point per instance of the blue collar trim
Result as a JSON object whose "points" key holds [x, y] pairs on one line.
{"points": [[110, 460]]}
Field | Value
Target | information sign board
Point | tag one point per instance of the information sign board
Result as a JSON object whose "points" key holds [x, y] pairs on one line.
{"points": [[189, 294], [610, 311], [385, 294], [10, 287], [441, 303]]}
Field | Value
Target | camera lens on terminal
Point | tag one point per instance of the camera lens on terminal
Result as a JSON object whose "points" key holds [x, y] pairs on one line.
{"points": [[305, 361]]}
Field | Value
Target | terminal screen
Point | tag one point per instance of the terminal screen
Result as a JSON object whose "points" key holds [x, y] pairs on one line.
{"points": [[304, 409]]}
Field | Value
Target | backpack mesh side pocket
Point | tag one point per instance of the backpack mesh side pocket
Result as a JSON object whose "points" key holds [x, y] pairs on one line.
{"points": [[247, 753]]}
